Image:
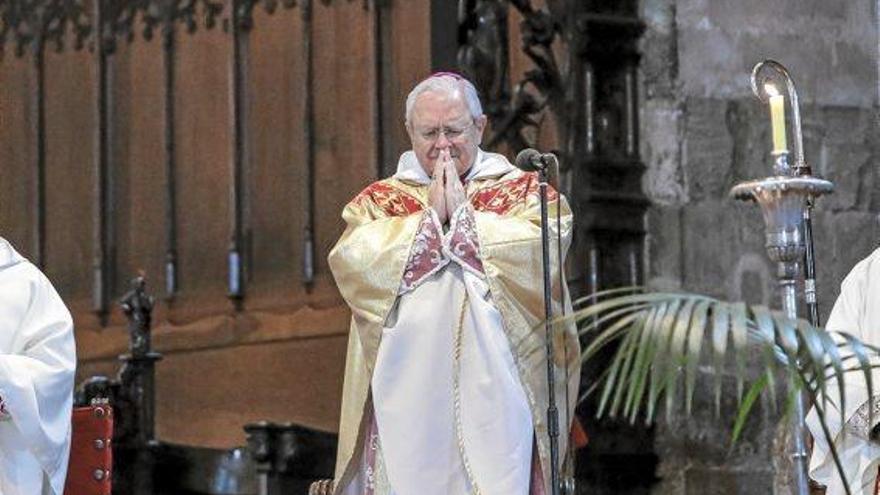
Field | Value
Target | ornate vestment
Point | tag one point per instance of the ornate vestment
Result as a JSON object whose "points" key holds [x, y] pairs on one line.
{"points": [[856, 311], [446, 379], [37, 363]]}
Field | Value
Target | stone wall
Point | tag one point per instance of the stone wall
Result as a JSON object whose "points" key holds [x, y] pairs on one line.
{"points": [[703, 132]]}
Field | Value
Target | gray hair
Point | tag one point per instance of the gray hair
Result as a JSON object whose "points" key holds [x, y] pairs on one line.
{"points": [[446, 83]]}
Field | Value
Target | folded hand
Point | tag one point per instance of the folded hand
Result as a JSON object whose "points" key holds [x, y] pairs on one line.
{"points": [[437, 191], [455, 194]]}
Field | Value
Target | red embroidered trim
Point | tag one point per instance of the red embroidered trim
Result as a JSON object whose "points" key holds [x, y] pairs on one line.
{"points": [[503, 196], [392, 201], [463, 244], [426, 255]]}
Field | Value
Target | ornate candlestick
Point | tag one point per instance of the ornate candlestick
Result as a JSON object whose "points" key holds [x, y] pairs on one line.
{"points": [[785, 200], [764, 89]]}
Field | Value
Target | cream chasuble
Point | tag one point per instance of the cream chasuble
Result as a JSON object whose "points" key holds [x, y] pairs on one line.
{"points": [[445, 388], [857, 312], [37, 363]]}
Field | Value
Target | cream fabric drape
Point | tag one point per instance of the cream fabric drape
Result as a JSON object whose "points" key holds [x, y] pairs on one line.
{"points": [[502, 317]]}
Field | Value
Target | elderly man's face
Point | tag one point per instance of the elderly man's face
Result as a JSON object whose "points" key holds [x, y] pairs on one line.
{"points": [[442, 121]]}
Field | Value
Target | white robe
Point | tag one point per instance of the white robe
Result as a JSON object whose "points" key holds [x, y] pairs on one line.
{"points": [[857, 312], [443, 372], [37, 363], [418, 403]]}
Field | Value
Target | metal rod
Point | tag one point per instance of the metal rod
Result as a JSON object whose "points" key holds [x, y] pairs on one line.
{"points": [[810, 294], [308, 260], [263, 481], [170, 165], [632, 129], [102, 220], [568, 482], [593, 279], [589, 109], [811, 394], [237, 189], [552, 411], [633, 259], [39, 129], [799, 455]]}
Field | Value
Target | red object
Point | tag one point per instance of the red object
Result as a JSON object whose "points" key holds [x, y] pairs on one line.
{"points": [[877, 482], [392, 201], [502, 197], [536, 486], [91, 455], [579, 436]]}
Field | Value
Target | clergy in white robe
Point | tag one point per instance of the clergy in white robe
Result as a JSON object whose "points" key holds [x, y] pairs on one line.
{"points": [[446, 375], [37, 363], [857, 312]]}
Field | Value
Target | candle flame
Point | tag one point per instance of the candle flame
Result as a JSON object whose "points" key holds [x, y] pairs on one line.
{"points": [[771, 90]]}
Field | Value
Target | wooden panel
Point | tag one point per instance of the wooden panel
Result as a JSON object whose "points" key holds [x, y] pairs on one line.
{"points": [[297, 338], [70, 177], [16, 186], [277, 165], [228, 387], [203, 154], [347, 143], [410, 59], [229, 384], [138, 164], [344, 109]]}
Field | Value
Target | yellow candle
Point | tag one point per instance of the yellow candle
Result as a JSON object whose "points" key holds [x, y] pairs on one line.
{"points": [[777, 119]]}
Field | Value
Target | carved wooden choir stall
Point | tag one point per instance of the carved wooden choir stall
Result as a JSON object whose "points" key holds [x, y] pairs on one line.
{"points": [[279, 458]]}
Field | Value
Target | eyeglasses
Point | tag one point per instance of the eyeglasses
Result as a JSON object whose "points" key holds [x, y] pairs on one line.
{"points": [[452, 133]]}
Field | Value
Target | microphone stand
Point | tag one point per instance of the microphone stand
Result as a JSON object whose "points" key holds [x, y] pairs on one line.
{"points": [[801, 169], [567, 481], [810, 265], [552, 411]]}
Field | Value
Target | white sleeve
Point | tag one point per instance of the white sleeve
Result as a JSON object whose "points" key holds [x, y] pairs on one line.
{"points": [[858, 454], [37, 372], [847, 312]]}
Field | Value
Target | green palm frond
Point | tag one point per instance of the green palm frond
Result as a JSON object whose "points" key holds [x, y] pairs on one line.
{"points": [[661, 336], [657, 340]]}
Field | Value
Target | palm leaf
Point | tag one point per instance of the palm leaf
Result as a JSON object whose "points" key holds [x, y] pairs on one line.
{"points": [[764, 336], [693, 350], [739, 338], [720, 332], [645, 353], [655, 338], [677, 349], [743, 413], [619, 368], [657, 369]]}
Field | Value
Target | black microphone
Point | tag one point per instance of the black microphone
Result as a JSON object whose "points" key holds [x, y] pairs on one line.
{"points": [[532, 160]]}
